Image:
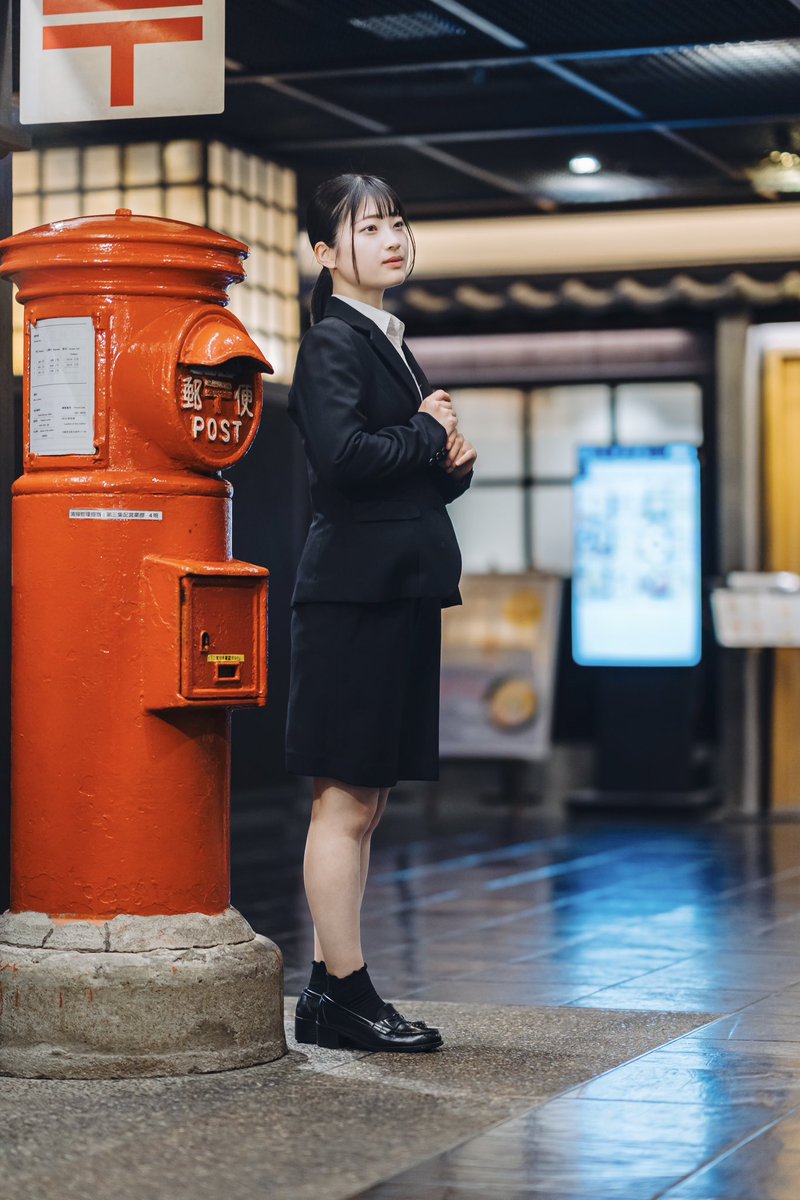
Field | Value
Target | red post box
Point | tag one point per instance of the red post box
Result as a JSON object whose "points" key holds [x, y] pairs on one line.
{"points": [[134, 631]]}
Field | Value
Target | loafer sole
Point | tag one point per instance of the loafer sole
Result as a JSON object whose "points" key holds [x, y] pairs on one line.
{"points": [[331, 1039]]}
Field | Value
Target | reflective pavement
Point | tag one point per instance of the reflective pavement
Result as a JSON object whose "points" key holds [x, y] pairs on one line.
{"points": [[467, 902]]}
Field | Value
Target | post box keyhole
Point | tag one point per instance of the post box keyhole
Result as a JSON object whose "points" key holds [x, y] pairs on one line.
{"points": [[205, 642]]}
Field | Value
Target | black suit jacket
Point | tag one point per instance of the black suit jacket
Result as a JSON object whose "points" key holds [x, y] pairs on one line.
{"points": [[380, 529]]}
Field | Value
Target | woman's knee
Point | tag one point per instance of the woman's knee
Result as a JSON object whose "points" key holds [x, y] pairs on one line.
{"points": [[352, 809]]}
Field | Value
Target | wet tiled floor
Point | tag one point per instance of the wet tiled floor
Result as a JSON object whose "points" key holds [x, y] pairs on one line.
{"points": [[315, 1122], [471, 904]]}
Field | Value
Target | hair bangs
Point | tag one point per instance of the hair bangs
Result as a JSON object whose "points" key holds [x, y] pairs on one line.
{"points": [[374, 194]]}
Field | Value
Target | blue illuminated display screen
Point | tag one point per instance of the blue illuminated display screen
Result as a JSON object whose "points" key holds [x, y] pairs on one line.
{"points": [[636, 567]]}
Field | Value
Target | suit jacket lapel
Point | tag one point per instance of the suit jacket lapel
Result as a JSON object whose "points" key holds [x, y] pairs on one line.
{"points": [[419, 374], [378, 339]]}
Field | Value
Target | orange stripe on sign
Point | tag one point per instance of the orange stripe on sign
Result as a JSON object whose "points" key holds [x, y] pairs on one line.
{"points": [[122, 37], [56, 8]]}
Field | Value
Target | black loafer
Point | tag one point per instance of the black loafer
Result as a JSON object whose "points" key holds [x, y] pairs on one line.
{"points": [[305, 1018], [341, 1028]]}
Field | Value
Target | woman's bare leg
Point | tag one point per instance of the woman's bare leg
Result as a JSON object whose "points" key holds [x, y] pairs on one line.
{"points": [[366, 841], [341, 815]]}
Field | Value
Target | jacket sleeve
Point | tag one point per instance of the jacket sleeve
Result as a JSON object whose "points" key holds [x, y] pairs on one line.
{"points": [[448, 487], [326, 401]]}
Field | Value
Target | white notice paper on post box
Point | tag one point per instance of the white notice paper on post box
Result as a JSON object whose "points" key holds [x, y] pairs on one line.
{"points": [[62, 386], [97, 60]]}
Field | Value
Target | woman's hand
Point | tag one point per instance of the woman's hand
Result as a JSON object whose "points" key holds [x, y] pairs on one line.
{"points": [[454, 444], [440, 407], [461, 457]]}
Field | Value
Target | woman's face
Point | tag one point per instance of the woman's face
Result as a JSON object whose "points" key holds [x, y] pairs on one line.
{"points": [[381, 247]]}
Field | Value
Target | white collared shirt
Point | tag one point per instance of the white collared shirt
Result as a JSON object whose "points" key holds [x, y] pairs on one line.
{"points": [[389, 324]]}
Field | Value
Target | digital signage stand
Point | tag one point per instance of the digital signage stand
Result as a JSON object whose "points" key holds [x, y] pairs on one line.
{"points": [[636, 621]]}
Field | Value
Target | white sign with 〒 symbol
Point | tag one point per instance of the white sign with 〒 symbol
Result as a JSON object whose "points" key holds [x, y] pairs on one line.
{"points": [[95, 60]]}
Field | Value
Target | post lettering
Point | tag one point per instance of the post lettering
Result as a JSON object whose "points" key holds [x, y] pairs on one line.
{"points": [[207, 429], [244, 400], [190, 392]]}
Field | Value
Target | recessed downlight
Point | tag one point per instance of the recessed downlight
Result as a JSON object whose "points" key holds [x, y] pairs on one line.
{"points": [[584, 164]]}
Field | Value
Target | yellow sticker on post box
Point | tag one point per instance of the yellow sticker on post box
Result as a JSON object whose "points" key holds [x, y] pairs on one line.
{"points": [[225, 658]]}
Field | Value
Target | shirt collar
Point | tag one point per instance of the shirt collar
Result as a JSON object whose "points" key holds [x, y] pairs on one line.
{"points": [[387, 322]]}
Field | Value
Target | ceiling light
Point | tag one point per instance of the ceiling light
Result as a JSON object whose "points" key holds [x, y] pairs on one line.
{"points": [[406, 26], [584, 164], [778, 171], [605, 188]]}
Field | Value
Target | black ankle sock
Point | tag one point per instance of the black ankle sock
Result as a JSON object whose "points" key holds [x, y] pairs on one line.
{"points": [[355, 991], [319, 976]]}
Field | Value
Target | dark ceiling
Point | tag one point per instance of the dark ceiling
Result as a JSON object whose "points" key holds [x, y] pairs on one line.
{"points": [[477, 108]]}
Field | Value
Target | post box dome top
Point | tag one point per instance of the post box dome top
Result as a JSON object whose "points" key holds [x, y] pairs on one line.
{"points": [[123, 253]]}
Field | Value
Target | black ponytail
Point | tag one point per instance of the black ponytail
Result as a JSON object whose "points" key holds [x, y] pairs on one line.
{"points": [[323, 288], [333, 207]]}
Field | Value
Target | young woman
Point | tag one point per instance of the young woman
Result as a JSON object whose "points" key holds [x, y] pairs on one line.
{"points": [[380, 561]]}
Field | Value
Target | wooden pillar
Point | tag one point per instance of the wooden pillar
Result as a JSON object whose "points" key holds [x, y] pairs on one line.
{"points": [[782, 553]]}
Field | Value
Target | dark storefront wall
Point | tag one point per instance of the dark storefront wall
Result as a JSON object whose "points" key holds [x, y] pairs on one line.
{"points": [[270, 518]]}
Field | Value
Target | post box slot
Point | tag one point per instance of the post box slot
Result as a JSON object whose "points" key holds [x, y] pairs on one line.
{"points": [[228, 671], [234, 369]]}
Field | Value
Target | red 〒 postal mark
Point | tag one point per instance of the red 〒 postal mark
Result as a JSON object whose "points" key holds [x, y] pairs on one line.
{"points": [[120, 36], [94, 59]]}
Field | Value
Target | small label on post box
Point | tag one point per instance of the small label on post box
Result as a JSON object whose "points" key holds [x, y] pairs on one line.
{"points": [[226, 658], [61, 398], [115, 514]]}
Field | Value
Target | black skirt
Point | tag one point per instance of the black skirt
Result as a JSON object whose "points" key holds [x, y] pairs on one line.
{"points": [[364, 691]]}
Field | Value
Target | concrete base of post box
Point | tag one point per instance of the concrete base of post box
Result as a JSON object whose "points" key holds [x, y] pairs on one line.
{"points": [[171, 995]]}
